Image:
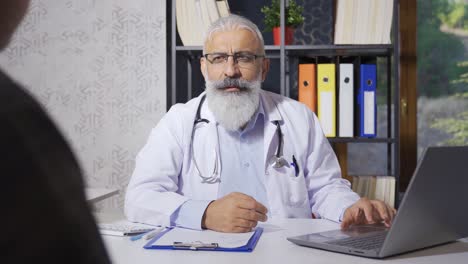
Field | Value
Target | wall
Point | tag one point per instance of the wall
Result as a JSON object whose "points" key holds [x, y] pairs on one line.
{"points": [[99, 68]]}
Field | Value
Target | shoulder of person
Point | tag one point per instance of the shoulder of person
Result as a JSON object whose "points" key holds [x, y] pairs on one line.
{"points": [[13, 97], [287, 105], [184, 110], [180, 117]]}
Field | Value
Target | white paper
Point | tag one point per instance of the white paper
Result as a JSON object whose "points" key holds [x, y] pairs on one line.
{"points": [[326, 113], [369, 113], [225, 240]]}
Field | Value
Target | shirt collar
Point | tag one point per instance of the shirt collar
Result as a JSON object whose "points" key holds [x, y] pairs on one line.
{"points": [[259, 113], [270, 107]]}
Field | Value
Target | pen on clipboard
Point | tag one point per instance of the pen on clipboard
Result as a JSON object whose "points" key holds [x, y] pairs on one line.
{"points": [[148, 235]]}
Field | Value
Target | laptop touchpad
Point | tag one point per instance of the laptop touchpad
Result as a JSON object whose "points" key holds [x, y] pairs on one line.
{"points": [[352, 231]]}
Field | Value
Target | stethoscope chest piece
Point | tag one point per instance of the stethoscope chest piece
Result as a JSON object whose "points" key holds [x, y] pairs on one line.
{"points": [[278, 162]]}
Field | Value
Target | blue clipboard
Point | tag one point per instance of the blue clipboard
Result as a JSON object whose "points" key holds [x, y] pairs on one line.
{"points": [[249, 247]]}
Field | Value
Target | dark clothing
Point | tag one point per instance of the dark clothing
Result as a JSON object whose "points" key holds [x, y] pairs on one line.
{"points": [[44, 214]]}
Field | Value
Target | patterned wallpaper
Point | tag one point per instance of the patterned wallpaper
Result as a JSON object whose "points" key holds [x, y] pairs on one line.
{"points": [[317, 28], [99, 68]]}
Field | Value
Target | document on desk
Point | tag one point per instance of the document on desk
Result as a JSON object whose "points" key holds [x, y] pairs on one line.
{"points": [[227, 240], [181, 238]]}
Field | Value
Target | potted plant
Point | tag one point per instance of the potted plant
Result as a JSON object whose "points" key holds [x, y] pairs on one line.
{"points": [[293, 19]]}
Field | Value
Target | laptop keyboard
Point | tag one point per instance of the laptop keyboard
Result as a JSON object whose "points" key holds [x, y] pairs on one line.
{"points": [[366, 243]]}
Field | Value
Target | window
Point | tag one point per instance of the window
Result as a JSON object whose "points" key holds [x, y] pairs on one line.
{"points": [[442, 73]]}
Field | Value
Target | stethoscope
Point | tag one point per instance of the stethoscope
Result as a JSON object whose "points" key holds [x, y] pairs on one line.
{"points": [[277, 161]]}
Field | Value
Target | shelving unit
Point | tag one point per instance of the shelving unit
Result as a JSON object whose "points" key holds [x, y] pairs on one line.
{"points": [[288, 56]]}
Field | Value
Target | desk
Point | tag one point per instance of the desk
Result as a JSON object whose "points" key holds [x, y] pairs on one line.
{"points": [[273, 248], [95, 195]]}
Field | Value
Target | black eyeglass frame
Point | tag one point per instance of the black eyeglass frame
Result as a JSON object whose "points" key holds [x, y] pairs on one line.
{"points": [[234, 56]]}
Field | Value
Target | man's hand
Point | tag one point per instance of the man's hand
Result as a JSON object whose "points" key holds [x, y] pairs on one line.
{"points": [[234, 213], [367, 211]]}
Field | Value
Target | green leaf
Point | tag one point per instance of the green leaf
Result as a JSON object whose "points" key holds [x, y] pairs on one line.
{"points": [[456, 126], [272, 16]]}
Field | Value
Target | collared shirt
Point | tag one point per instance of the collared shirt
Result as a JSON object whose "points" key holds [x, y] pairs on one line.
{"points": [[241, 170]]}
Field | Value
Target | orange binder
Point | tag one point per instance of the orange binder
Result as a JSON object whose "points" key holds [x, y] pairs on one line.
{"points": [[307, 86]]}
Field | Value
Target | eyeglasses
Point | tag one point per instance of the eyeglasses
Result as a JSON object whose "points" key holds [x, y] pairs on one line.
{"points": [[243, 59]]}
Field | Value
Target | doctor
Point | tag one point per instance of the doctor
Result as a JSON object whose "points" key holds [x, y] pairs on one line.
{"points": [[237, 155]]}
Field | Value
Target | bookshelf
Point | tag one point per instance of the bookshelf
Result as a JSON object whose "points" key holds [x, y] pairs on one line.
{"points": [[185, 80]]}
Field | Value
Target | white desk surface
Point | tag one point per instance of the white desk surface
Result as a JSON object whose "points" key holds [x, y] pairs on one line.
{"points": [[273, 248], [94, 195]]}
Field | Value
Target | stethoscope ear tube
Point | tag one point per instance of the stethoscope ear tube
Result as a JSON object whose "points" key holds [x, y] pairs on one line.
{"points": [[280, 139], [278, 160], [214, 178], [198, 118]]}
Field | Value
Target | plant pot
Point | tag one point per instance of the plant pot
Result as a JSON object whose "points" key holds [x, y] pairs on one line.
{"points": [[288, 35]]}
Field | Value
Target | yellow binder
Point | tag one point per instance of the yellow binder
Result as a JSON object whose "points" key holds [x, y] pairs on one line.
{"points": [[326, 98]]}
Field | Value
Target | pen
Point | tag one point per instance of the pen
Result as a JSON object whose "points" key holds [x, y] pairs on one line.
{"points": [[153, 233], [296, 167], [136, 237], [148, 235]]}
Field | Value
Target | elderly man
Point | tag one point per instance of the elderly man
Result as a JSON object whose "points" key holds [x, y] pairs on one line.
{"points": [[237, 155]]}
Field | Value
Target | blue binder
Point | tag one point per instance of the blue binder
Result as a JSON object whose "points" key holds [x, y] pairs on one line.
{"points": [[249, 247], [367, 101]]}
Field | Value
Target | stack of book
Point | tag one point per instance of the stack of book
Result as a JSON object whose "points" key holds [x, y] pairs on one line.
{"points": [[376, 187], [363, 21], [195, 16]]}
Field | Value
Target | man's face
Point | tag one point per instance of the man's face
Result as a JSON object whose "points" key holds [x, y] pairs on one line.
{"points": [[239, 41], [11, 14], [233, 85]]}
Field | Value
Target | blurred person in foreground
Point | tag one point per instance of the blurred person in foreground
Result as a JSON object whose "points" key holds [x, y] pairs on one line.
{"points": [[45, 216]]}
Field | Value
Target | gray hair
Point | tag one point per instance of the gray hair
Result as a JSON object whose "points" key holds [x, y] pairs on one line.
{"points": [[232, 22]]}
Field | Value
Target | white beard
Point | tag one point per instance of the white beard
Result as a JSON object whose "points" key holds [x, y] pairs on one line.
{"points": [[233, 110]]}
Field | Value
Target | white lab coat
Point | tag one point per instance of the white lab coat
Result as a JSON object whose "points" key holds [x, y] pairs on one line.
{"points": [[165, 177]]}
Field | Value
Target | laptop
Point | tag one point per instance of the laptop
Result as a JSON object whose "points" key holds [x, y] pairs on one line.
{"points": [[432, 212]]}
